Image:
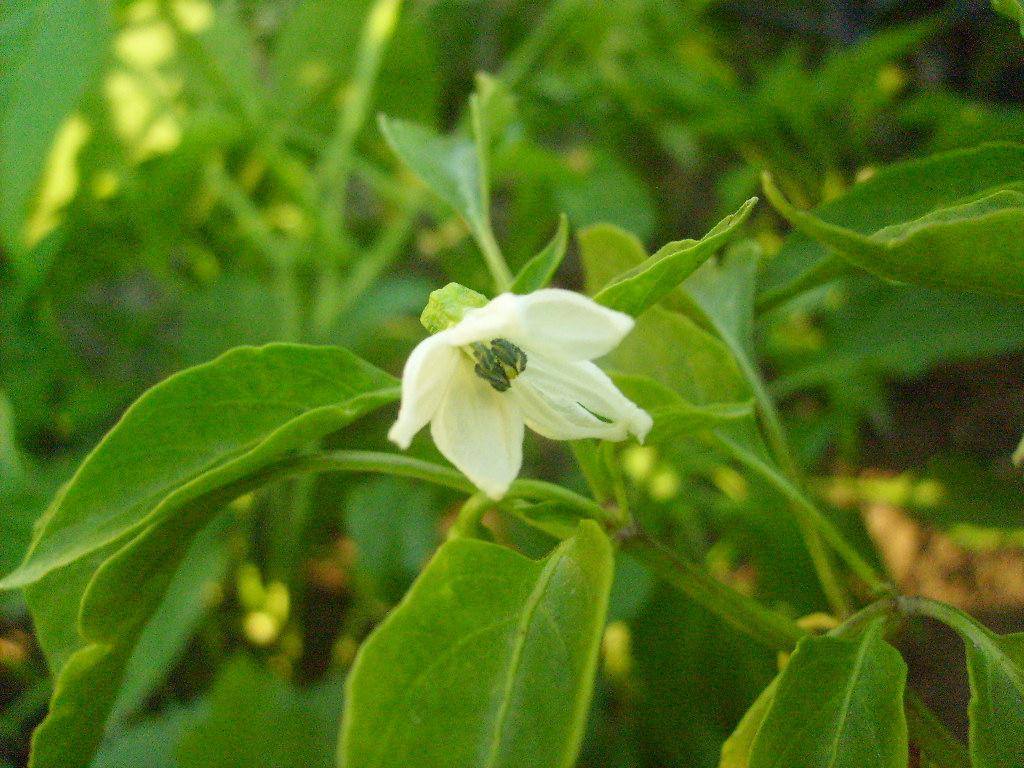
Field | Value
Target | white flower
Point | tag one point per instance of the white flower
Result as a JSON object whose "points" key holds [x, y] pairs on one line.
{"points": [[518, 360]]}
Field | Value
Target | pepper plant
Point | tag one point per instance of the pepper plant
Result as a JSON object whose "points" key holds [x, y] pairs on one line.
{"points": [[626, 366]]}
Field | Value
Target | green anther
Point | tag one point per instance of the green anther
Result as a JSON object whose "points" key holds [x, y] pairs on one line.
{"points": [[499, 363], [448, 305]]}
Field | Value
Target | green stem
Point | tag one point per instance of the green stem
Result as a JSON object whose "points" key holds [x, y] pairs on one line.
{"points": [[496, 263], [743, 613], [406, 466], [809, 512], [467, 524]]}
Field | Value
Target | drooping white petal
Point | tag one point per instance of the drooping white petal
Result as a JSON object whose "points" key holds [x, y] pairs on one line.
{"points": [[425, 380], [480, 431], [553, 321], [562, 400]]}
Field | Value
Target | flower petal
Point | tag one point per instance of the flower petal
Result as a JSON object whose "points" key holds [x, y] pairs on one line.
{"points": [[553, 321], [480, 431], [571, 399], [425, 380]]}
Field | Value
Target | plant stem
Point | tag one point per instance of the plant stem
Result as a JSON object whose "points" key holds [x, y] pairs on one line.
{"points": [[467, 524], [355, 103], [775, 436], [405, 466], [489, 247]]}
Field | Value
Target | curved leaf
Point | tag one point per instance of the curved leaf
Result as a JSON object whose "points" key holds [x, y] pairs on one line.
{"points": [[488, 661], [897, 193], [199, 430], [186, 448], [539, 270], [995, 667], [839, 704], [973, 246], [650, 281]]}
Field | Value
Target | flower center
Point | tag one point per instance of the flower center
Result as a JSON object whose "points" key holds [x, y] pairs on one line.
{"points": [[498, 363]]}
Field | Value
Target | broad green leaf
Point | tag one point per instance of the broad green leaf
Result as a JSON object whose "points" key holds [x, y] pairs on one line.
{"points": [[899, 193], [539, 270], [449, 166], [150, 742], [1011, 9], [164, 640], [255, 719], [199, 430], [839, 703], [185, 449], [674, 421], [995, 667], [665, 345], [49, 53], [973, 246], [639, 288], [736, 749], [488, 661]]}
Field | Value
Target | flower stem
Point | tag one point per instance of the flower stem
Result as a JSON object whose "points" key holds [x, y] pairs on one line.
{"points": [[467, 524], [493, 257]]}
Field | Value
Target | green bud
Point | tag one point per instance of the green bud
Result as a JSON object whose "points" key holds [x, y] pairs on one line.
{"points": [[447, 306]]}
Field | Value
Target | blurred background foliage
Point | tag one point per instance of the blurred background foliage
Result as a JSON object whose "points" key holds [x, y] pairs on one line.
{"points": [[181, 177]]}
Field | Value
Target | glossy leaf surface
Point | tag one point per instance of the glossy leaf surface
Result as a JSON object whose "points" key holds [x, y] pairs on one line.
{"points": [[488, 661]]}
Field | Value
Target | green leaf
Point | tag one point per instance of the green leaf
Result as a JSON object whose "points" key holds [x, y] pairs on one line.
{"points": [[539, 270], [667, 346], [995, 667], [185, 449], [489, 660], [49, 53], [448, 165], [899, 193], [197, 431], [736, 749], [973, 246], [639, 288], [839, 703], [1011, 9], [1018, 455]]}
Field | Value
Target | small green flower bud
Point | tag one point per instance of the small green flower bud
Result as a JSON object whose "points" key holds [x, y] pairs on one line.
{"points": [[447, 306]]}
